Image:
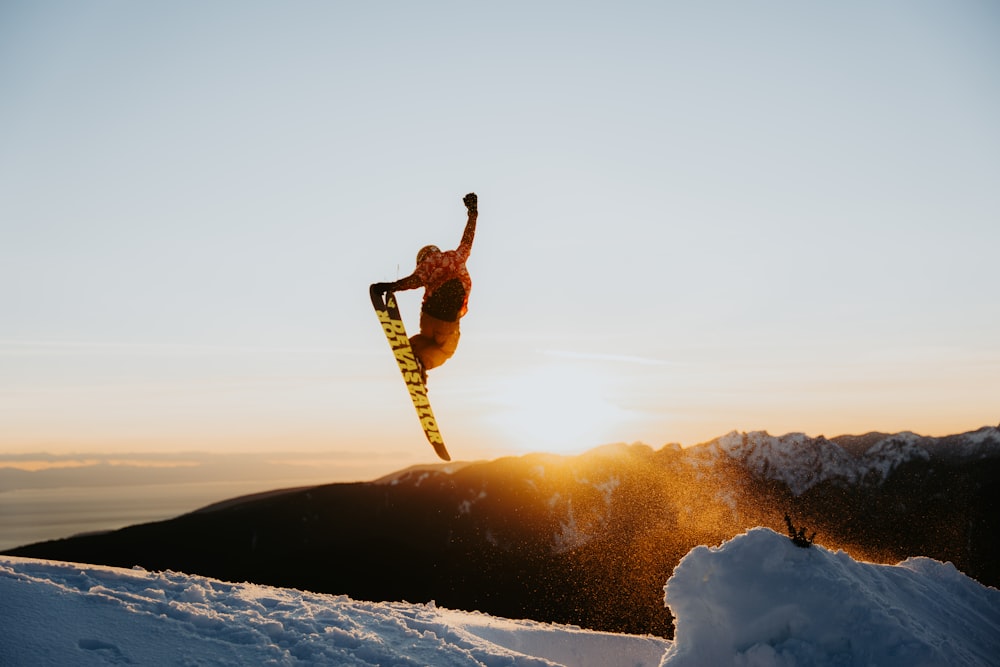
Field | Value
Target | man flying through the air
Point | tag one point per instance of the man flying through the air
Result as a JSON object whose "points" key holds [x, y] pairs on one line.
{"points": [[446, 284]]}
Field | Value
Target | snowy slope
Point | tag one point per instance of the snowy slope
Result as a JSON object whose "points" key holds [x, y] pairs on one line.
{"points": [[755, 600], [54, 613]]}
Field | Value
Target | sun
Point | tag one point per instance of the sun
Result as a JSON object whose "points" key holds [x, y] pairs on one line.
{"points": [[559, 407]]}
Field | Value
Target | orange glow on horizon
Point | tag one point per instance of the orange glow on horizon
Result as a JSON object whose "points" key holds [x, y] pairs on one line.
{"points": [[37, 465], [557, 407]]}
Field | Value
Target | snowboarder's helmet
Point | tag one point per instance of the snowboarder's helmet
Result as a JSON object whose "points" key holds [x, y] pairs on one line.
{"points": [[425, 251]]}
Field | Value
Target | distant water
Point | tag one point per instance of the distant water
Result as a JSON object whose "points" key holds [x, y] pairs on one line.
{"points": [[35, 515]]}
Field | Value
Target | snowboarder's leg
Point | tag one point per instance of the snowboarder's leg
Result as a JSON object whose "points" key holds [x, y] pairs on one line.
{"points": [[436, 342]]}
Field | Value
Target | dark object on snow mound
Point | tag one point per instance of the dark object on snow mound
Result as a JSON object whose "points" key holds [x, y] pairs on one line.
{"points": [[798, 537]]}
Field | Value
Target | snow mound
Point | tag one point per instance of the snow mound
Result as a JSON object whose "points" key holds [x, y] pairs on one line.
{"points": [[758, 600], [66, 614]]}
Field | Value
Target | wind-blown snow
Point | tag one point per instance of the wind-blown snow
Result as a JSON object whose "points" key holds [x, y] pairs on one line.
{"points": [[757, 600], [795, 459]]}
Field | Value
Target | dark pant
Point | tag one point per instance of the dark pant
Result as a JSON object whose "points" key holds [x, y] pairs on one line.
{"points": [[436, 341]]}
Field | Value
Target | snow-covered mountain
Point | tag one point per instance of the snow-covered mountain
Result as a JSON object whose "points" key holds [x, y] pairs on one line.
{"points": [[755, 600], [588, 539], [802, 462]]}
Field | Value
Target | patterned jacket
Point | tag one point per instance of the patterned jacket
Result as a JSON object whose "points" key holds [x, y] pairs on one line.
{"points": [[446, 283]]}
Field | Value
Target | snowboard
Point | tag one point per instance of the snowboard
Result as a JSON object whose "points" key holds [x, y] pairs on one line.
{"points": [[395, 333]]}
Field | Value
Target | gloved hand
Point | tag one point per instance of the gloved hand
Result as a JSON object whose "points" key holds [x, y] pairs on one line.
{"points": [[381, 288], [471, 201]]}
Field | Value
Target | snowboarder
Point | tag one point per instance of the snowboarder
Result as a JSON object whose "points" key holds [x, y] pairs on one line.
{"points": [[446, 284]]}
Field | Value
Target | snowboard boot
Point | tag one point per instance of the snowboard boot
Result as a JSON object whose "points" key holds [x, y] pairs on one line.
{"points": [[421, 370]]}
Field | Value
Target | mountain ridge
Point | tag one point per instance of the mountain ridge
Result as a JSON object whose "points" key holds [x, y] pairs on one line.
{"points": [[578, 539], [802, 461]]}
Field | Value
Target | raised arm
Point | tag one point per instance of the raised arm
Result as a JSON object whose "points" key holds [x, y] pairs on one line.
{"points": [[472, 205]]}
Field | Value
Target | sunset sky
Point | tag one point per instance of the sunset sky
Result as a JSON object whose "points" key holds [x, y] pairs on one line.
{"points": [[695, 217]]}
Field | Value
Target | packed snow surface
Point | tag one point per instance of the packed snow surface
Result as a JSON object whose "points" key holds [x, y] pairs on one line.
{"points": [[757, 600], [55, 613]]}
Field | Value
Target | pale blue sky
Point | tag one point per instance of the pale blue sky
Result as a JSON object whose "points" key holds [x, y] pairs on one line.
{"points": [[695, 217]]}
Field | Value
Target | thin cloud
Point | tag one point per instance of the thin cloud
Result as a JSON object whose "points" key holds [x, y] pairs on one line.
{"points": [[26, 348], [612, 358]]}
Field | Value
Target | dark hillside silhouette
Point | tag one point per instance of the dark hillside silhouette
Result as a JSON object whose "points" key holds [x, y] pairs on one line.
{"points": [[588, 540]]}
